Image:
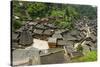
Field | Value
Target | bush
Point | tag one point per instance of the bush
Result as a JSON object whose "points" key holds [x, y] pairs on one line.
{"points": [[90, 56], [16, 24], [79, 48], [36, 9]]}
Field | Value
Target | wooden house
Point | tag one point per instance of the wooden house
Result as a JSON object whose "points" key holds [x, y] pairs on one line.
{"points": [[52, 42], [61, 43], [48, 32], [57, 35], [54, 56]]}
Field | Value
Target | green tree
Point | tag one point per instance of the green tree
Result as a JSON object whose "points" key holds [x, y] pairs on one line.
{"points": [[36, 9]]}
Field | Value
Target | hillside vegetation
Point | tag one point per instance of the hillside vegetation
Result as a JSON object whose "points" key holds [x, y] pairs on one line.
{"points": [[64, 14]]}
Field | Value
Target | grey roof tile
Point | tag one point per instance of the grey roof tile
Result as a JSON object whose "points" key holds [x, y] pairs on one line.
{"points": [[38, 31], [25, 38], [52, 40], [57, 35]]}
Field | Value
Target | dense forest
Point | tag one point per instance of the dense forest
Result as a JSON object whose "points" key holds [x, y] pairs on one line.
{"points": [[64, 14]]}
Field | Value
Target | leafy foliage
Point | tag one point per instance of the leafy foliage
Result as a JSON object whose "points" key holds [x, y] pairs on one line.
{"points": [[36, 9], [90, 56], [16, 24], [87, 10], [80, 48]]}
